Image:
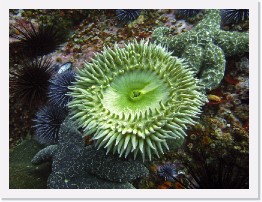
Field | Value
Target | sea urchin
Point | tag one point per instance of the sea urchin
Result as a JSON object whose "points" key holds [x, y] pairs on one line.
{"points": [[167, 171], [47, 123], [187, 13], [38, 40], [58, 88], [133, 99], [127, 15], [29, 84], [234, 15]]}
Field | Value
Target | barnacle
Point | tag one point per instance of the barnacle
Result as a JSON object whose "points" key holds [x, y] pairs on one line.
{"points": [[135, 98]]}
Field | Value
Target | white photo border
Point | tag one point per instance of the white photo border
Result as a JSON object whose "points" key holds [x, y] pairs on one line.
{"points": [[252, 193]]}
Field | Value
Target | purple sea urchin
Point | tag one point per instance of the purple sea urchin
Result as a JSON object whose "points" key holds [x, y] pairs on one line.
{"points": [[127, 15], [38, 41], [47, 123], [30, 82], [188, 13], [167, 171], [58, 88], [135, 98], [234, 15]]}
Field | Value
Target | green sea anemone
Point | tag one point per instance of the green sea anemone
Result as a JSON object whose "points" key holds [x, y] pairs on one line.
{"points": [[133, 99]]}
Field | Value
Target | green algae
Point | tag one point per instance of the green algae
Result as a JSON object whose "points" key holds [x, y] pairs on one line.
{"points": [[22, 173]]}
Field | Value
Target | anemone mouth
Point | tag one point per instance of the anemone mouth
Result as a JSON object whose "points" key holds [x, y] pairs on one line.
{"points": [[134, 92], [131, 100]]}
